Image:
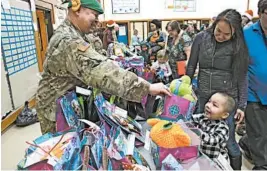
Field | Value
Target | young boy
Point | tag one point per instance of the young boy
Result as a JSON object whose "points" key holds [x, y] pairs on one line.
{"points": [[162, 68], [214, 129], [145, 52]]}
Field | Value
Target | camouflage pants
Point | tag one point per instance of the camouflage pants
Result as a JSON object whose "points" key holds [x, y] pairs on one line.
{"points": [[46, 125]]}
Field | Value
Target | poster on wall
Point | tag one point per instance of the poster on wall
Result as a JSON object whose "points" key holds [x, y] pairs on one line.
{"points": [[17, 39], [125, 6], [181, 5]]}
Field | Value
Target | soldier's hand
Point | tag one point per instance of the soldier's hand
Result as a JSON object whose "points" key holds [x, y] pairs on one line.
{"points": [[159, 89]]}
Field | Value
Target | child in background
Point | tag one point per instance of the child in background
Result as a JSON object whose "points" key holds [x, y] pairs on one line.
{"points": [[213, 126], [153, 42], [145, 52], [162, 68]]}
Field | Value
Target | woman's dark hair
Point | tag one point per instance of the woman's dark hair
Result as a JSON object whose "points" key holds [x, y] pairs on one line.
{"points": [[262, 6], [157, 23], [175, 26], [166, 28], [241, 56]]}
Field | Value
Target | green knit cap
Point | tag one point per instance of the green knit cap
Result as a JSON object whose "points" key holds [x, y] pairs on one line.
{"points": [[91, 4]]}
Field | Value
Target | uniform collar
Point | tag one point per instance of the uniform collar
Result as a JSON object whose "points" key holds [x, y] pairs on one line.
{"points": [[68, 23]]}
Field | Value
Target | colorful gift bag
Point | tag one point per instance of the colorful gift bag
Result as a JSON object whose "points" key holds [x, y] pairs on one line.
{"points": [[170, 163], [148, 76], [202, 162], [61, 122], [177, 108], [71, 109], [61, 151]]}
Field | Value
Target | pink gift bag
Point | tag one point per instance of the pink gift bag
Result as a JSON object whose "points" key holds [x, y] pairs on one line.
{"points": [[177, 108]]}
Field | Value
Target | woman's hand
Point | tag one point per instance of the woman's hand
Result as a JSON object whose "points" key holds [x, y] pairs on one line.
{"points": [[159, 89], [239, 116]]}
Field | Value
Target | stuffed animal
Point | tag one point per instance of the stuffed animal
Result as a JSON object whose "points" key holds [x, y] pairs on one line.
{"points": [[167, 134]]}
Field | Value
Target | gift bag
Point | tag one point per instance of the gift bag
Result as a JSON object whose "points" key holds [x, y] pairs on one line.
{"points": [[148, 75], [68, 112], [177, 108], [59, 151], [61, 122], [202, 162], [181, 153], [170, 163]]}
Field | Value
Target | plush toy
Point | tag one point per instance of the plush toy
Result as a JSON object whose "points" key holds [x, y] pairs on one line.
{"points": [[167, 134], [182, 87]]}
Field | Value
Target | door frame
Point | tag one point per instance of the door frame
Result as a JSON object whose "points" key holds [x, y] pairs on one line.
{"points": [[41, 37]]}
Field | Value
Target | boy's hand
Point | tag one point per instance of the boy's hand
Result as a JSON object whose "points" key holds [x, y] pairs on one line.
{"points": [[239, 116]]}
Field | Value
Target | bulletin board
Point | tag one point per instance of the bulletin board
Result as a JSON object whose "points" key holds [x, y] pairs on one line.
{"points": [[17, 38], [18, 51], [125, 6]]}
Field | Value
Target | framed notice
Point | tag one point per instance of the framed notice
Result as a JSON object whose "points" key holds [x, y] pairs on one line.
{"points": [[125, 6], [181, 5]]}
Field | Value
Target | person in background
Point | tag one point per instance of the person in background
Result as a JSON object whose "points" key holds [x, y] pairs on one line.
{"points": [[169, 38], [213, 127], [109, 34], [117, 30], [222, 55], [246, 21], [154, 41], [145, 52], [196, 30], [136, 40], [162, 68], [99, 31], [247, 18], [256, 111], [72, 61], [179, 48], [190, 31], [156, 25]]}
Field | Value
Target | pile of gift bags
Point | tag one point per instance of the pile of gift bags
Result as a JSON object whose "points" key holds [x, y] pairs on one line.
{"points": [[115, 142]]}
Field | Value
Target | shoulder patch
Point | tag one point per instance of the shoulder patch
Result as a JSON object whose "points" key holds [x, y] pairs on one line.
{"points": [[83, 46]]}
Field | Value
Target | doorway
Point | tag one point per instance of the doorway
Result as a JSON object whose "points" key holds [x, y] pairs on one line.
{"points": [[45, 32]]}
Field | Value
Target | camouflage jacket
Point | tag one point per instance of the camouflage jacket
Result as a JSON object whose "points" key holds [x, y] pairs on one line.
{"points": [[72, 61], [96, 42]]}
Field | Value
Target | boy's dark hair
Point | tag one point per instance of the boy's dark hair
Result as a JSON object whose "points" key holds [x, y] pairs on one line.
{"points": [[262, 6], [230, 101]]}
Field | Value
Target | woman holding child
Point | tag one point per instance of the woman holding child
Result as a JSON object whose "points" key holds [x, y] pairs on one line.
{"points": [[223, 63]]}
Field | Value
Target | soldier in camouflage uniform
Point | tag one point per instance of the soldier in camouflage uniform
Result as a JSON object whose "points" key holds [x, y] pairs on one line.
{"points": [[97, 44], [71, 60]]}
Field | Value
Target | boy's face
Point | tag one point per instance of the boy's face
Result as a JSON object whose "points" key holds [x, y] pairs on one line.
{"points": [[215, 108]]}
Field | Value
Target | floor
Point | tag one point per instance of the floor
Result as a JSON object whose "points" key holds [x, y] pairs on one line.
{"points": [[14, 144]]}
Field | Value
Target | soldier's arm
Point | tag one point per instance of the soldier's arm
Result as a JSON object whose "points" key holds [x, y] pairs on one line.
{"points": [[84, 63]]}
